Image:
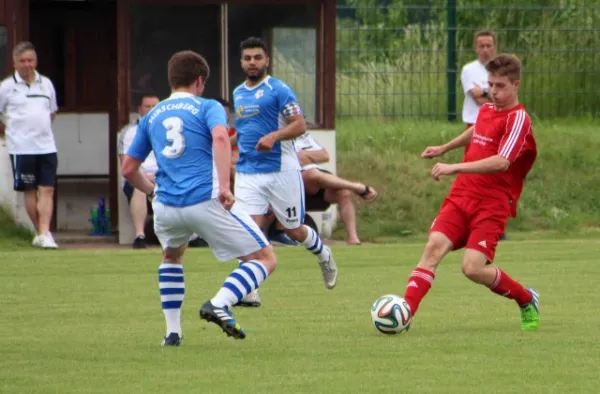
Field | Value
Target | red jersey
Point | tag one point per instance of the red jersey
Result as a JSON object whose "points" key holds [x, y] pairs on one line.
{"points": [[505, 133], [231, 134]]}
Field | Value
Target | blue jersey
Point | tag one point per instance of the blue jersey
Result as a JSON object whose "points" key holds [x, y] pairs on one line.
{"points": [[179, 131], [260, 110]]}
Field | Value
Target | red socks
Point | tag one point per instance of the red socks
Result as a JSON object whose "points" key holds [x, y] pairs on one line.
{"points": [[505, 286], [419, 283]]}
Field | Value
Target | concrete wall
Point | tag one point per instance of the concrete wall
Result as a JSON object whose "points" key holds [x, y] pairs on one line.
{"points": [[82, 143]]}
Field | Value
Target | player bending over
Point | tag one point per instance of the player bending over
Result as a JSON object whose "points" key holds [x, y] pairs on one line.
{"points": [[268, 118], [485, 193], [189, 137]]}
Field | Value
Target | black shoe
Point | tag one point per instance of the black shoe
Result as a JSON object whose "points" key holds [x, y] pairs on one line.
{"points": [[222, 318], [139, 243], [172, 340], [197, 243]]}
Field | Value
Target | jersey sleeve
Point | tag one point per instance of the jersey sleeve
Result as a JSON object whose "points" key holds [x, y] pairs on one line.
{"points": [[3, 98], [466, 78], [141, 146], [288, 103], [124, 140], [215, 115], [514, 142], [53, 102]]}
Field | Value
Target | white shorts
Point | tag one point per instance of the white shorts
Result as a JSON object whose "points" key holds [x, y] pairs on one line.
{"points": [[230, 234], [283, 191]]}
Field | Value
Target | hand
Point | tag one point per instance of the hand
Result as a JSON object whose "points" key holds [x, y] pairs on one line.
{"points": [[265, 143], [303, 158], [226, 198], [442, 169], [477, 90], [151, 177], [433, 151]]}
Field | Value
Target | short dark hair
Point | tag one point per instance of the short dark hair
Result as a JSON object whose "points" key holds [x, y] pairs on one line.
{"points": [[505, 66], [144, 95], [223, 102], [22, 47], [484, 33], [185, 67], [253, 42]]}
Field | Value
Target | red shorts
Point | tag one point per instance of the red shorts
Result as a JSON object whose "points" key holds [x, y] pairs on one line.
{"points": [[472, 223]]}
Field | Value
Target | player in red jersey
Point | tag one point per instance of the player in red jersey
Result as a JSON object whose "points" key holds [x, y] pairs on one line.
{"points": [[485, 193]]}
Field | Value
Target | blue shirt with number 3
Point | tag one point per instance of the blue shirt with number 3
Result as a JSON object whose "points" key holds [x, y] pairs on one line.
{"points": [[179, 131]]}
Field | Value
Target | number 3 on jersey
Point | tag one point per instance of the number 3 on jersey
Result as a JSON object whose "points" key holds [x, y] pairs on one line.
{"points": [[174, 126]]}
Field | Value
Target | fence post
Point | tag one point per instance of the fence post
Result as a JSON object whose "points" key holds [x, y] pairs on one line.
{"points": [[451, 58]]}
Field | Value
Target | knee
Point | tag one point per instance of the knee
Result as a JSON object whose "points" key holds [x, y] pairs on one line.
{"points": [[436, 248], [472, 266], [309, 176], [45, 192], [470, 270], [267, 257], [297, 234]]}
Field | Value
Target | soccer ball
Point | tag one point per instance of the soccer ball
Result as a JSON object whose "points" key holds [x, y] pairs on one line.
{"points": [[391, 314]]}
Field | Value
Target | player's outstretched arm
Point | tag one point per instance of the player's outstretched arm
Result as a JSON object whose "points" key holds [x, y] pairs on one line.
{"points": [[462, 140], [488, 165]]}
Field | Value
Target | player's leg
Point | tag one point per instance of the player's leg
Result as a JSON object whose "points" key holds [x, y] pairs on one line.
{"points": [[139, 211], [487, 228], [447, 232], [173, 236], [46, 166], [326, 180], [232, 234], [343, 199], [250, 196], [286, 196], [23, 167]]}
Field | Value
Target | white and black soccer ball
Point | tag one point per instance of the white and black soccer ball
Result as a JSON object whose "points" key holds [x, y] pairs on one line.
{"points": [[391, 314]]}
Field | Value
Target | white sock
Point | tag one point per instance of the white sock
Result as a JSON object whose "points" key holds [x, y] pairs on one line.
{"points": [[244, 279], [172, 292], [313, 244]]}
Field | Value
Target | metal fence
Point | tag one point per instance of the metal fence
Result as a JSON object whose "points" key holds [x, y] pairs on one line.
{"points": [[402, 58]]}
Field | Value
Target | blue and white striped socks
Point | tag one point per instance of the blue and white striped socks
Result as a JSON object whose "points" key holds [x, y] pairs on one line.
{"points": [[172, 291], [243, 280], [313, 244]]}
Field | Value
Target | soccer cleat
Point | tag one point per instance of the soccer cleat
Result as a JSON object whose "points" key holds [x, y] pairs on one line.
{"points": [[530, 313], [329, 270], [223, 318], [252, 299], [139, 242], [171, 340]]}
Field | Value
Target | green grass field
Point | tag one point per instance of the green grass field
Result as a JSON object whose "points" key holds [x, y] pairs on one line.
{"points": [[89, 321]]}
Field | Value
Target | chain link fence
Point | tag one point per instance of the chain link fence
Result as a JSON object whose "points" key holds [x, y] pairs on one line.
{"points": [[402, 58]]}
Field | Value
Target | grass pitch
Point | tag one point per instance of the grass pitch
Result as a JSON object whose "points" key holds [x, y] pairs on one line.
{"points": [[89, 321]]}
